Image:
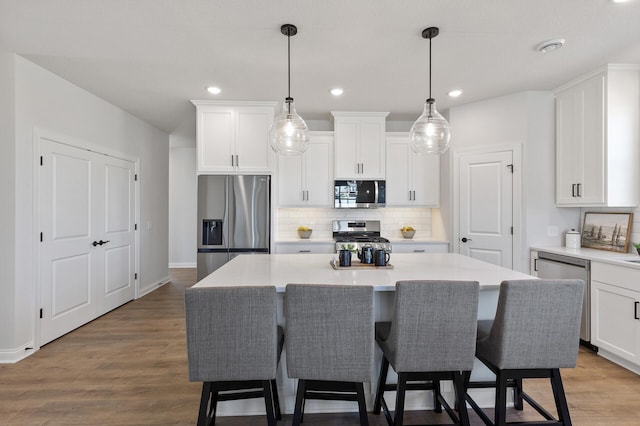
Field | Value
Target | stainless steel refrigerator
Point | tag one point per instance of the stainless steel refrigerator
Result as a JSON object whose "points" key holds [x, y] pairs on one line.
{"points": [[233, 218]]}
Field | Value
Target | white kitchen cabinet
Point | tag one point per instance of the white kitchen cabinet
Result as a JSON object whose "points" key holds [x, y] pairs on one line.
{"points": [[597, 130], [412, 180], [615, 313], [307, 179], [306, 247], [359, 145], [233, 137], [419, 247]]}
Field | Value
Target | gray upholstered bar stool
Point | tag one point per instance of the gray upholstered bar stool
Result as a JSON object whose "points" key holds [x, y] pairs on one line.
{"points": [[329, 342], [536, 332], [431, 338], [233, 346]]}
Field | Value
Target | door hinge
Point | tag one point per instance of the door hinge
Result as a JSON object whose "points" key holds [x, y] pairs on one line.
{"points": [[41, 237], [510, 166], [41, 161], [512, 230], [41, 313], [135, 177], [135, 227], [135, 276]]}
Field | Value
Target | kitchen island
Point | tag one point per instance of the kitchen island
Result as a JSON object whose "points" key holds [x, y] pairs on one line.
{"points": [[280, 269]]}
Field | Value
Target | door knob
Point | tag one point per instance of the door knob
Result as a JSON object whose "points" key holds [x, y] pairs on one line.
{"points": [[99, 243], [465, 239]]}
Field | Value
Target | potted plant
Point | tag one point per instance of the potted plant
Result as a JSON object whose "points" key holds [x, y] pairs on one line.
{"points": [[637, 246]]}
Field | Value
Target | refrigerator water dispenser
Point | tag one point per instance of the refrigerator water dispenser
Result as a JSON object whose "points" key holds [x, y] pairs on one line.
{"points": [[212, 232]]}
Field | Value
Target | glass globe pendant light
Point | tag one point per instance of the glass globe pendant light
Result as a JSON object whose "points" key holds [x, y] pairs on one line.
{"points": [[430, 133], [289, 133]]}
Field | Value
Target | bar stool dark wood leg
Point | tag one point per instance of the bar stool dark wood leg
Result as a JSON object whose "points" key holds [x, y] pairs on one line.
{"points": [[362, 405], [401, 389], [560, 398], [297, 413], [382, 381]]}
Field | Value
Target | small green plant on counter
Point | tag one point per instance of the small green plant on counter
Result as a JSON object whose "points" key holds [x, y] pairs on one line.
{"points": [[637, 246], [350, 247]]}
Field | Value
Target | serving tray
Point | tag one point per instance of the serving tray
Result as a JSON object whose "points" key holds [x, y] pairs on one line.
{"points": [[358, 266]]}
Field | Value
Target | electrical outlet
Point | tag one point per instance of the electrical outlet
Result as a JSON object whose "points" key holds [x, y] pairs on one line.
{"points": [[149, 225], [552, 231]]}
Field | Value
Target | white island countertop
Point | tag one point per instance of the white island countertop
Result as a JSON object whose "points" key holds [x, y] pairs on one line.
{"points": [[280, 269]]}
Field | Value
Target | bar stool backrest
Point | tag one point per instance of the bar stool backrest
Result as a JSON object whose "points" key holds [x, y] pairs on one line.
{"points": [[434, 325], [231, 333], [537, 325], [329, 332]]}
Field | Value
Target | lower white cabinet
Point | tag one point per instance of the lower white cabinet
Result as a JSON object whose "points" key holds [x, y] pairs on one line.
{"points": [[419, 247], [615, 312], [305, 247]]}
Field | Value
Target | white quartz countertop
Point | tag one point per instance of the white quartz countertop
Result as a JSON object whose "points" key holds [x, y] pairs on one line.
{"points": [[280, 269], [612, 257]]}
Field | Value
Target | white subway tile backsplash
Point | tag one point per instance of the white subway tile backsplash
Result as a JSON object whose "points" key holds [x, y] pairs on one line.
{"points": [[320, 220]]}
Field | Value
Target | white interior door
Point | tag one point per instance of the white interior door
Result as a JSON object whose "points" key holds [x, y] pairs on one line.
{"points": [[116, 227], [87, 249], [486, 207]]}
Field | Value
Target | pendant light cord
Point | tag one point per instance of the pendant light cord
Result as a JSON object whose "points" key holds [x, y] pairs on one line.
{"points": [[430, 67], [289, 99]]}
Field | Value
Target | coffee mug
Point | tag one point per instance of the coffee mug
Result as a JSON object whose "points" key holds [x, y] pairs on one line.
{"points": [[367, 254], [381, 257], [345, 257]]}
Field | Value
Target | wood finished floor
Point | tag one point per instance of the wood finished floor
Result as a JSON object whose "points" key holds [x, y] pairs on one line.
{"points": [[129, 367]]}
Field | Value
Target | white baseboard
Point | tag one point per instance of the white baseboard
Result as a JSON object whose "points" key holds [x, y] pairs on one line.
{"points": [[154, 286], [178, 265], [15, 355]]}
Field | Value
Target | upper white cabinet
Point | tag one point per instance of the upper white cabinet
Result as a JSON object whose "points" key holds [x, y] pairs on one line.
{"points": [[412, 179], [307, 179], [359, 145], [597, 146], [233, 137]]}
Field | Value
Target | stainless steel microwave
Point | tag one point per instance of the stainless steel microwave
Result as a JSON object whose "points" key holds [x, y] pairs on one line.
{"points": [[359, 194]]}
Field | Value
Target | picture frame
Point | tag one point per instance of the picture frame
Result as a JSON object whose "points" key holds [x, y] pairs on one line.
{"points": [[607, 231]]}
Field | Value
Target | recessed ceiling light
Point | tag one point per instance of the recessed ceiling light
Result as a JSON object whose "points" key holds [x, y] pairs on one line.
{"points": [[620, 1], [550, 45], [214, 90], [455, 93], [337, 91]]}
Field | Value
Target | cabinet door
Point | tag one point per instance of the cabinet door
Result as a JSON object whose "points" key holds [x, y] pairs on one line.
{"points": [[346, 150], [290, 181], [252, 139], [318, 172], [398, 186], [425, 179], [614, 326], [568, 146], [592, 172], [372, 149], [215, 136], [420, 248]]}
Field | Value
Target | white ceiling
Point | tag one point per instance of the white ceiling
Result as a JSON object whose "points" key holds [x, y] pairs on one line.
{"points": [[151, 57]]}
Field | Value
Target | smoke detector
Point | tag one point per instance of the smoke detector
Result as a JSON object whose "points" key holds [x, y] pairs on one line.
{"points": [[550, 45]]}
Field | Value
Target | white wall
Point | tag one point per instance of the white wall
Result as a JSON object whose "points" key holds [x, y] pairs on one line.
{"points": [[7, 191], [526, 118], [183, 196], [46, 101]]}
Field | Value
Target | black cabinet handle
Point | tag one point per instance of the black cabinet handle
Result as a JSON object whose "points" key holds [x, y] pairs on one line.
{"points": [[573, 190], [635, 310], [579, 192]]}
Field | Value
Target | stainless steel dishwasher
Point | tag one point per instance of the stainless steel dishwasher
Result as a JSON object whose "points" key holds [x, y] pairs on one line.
{"points": [[557, 266]]}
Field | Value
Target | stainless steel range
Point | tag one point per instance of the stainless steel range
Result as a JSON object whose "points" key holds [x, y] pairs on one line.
{"points": [[354, 234]]}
